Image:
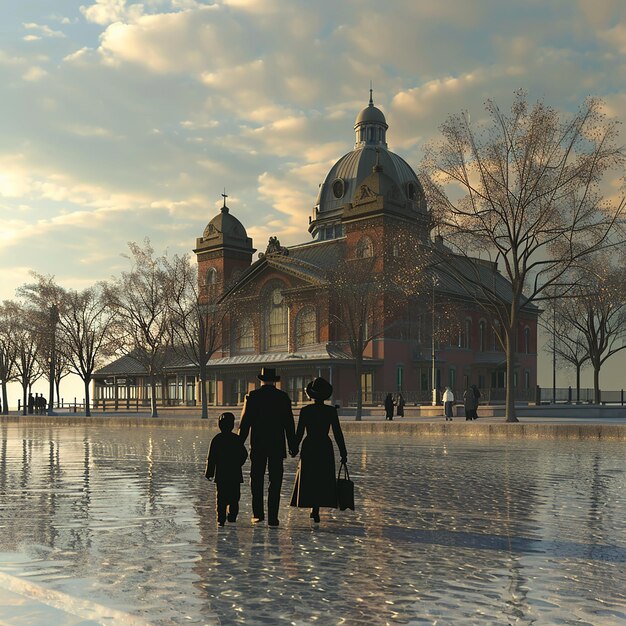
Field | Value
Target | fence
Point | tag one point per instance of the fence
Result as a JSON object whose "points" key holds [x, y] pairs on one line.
{"points": [[544, 395], [569, 395]]}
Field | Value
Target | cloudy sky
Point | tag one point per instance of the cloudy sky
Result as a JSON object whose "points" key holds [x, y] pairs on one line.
{"points": [[124, 120]]}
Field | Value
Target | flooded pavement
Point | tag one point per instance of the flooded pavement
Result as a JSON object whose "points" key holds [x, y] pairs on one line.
{"points": [[116, 525]]}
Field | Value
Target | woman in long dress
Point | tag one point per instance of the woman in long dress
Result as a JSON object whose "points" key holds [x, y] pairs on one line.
{"points": [[316, 481]]}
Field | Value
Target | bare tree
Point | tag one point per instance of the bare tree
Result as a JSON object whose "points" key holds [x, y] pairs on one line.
{"points": [[42, 300], [375, 292], [568, 345], [524, 191], [9, 324], [197, 318], [356, 308], [596, 311], [85, 325], [140, 300], [26, 340]]}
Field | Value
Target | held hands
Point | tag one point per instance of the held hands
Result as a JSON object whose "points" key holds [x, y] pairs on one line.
{"points": [[293, 453]]}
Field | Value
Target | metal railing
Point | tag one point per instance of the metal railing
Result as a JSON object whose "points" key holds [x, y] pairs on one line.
{"points": [[569, 395]]}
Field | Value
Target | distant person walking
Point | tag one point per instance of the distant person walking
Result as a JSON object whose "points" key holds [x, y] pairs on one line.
{"points": [[316, 481], [389, 404], [470, 403], [476, 391], [400, 406], [448, 401], [268, 418], [226, 456]]}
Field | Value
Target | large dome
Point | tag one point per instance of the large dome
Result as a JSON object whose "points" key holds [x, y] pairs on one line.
{"points": [[343, 181]]}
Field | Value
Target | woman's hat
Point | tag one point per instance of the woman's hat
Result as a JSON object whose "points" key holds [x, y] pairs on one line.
{"points": [[268, 375], [319, 389]]}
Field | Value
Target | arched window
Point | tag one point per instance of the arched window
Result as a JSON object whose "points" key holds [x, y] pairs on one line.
{"points": [[481, 335], [211, 276], [306, 327], [245, 334], [364, 248], [464, 334], [495, 342], [276, 318], [526, 340]]}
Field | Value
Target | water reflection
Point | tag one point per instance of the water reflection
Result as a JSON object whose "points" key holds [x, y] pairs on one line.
{"points": [[448, 530]]}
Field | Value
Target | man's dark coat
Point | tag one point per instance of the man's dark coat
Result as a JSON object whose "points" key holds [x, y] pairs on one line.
{"points": [[268, 418]]}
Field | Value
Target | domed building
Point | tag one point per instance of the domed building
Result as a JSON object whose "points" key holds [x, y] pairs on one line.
{"points": [[285, 309]]}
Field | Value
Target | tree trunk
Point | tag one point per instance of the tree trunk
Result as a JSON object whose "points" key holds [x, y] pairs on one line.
{"points": [[5, 399], [359, 389], [24, 400], [578, 383], [87, 381], [511, 338], [153, 402], [203, 395], [596, 384]]}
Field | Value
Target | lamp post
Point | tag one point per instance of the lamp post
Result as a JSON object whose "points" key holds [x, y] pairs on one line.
{"points": [[54, 318], [432, 347], [553, 353]]}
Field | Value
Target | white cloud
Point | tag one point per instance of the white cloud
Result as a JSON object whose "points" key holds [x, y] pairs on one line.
{"points": [[34, 73], [108, 11], [187, 41], [43, 30], [616, 36]]}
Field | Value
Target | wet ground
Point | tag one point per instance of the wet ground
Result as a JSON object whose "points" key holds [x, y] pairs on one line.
{"points": [[116, 525]]}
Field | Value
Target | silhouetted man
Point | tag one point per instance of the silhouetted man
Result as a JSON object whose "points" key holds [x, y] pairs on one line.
{"points": [[267, 416]]}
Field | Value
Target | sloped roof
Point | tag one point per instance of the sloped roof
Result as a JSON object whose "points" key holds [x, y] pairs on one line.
{"points": [[485, 273], [322, 254], [127, 365]]}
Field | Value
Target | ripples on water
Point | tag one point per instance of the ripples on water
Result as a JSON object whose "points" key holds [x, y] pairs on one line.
{"points": [[463, 531]]}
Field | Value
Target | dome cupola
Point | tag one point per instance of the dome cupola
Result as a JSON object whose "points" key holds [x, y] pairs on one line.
{"points": [[224, 230], [342, 186], [370, 126]]}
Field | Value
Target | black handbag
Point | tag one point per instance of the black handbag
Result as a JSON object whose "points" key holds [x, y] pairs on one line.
{"points": [[345, 489]]}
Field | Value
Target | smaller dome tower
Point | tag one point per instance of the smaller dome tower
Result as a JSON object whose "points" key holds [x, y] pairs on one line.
{"points": [[223, 250], [370, 126]]}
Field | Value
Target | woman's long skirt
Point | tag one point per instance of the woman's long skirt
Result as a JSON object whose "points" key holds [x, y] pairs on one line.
{"points": [[316, 482]]}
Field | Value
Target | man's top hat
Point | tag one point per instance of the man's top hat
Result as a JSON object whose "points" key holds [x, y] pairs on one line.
{"points": [[268, 375], [319, 389]]}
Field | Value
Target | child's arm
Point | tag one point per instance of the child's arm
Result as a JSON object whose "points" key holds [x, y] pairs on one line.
{"points": [[210, 462]]}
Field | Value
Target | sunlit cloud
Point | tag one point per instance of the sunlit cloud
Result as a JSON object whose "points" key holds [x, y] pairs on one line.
{"points": [[41, 30], [34, 73]]}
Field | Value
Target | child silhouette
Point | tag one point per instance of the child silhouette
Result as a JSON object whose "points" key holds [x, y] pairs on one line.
{"points": [[226, 456]]}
